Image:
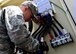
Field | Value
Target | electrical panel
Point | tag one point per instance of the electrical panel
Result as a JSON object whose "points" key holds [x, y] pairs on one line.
{"points": [[45, 7]]}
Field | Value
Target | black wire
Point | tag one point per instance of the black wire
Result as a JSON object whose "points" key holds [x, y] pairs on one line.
{"points": [[58, 23], [54, 32], [30, 26], [37, 31], [41, 33], [69, 11]]}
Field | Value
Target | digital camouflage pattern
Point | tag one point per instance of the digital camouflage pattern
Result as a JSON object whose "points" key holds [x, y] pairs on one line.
{"points": [[16, 32]]}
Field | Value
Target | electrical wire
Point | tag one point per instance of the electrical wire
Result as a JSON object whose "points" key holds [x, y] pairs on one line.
{"points": [[58, 6], [69, 11], [64, 10]]}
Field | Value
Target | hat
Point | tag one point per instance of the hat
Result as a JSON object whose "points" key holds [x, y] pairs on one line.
{"points": [[32, 7]]}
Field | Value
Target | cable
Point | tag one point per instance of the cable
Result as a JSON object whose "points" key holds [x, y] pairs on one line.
{"points": [[69, 11], [64, 10], [37, 31], [58, 6], [30, 26]]}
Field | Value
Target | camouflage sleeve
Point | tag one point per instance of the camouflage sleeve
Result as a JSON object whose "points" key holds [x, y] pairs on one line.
{"points": [[19, 34]]}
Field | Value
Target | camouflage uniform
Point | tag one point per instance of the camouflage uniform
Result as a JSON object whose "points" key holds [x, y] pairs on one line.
{"points": [[16, 32]]}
